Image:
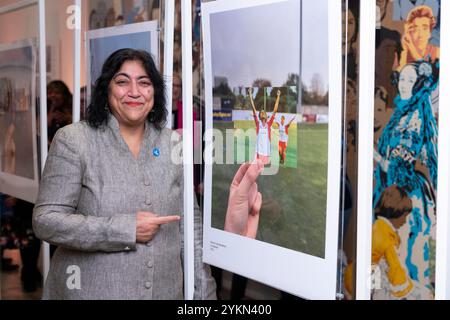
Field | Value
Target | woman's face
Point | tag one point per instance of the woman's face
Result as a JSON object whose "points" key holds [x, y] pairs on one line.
{"points": [[351, 28], [131, 94], [408, 77], [263, 117], [56, 97]]}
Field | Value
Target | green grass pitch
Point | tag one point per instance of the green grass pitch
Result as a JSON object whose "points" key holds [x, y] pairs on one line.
{"points": [[293, 213]]}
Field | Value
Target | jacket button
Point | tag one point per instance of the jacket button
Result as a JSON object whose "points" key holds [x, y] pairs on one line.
{"points": [[148, 201], [146, 181], [150, 264], [148, 244], [148, 284]]}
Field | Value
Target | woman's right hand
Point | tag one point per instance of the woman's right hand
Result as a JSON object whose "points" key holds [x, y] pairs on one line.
{"points": [[147, 224]]}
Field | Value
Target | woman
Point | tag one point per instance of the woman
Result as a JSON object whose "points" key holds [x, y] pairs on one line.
{"points": [[263, 129], [408, 142], [59, 107], [283, 130], [110, 196]]}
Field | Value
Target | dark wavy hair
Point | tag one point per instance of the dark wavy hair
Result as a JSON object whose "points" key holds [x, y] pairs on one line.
{"points": [[60, 86], [98, 113], [353, 7]]}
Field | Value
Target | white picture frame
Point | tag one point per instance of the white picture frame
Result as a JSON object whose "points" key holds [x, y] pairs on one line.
{"points": [[365, 150], [100, 43], [19, 178], [292, 271]]}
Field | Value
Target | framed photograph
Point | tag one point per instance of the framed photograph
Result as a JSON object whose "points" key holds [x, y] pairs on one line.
{"points": [[18, 139], [102, 42], [272, 92]]}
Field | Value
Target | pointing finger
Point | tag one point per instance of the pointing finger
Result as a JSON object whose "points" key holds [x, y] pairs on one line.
{"points": [[165, 219]]}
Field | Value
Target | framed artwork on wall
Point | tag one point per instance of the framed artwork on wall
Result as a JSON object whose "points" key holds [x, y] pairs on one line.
{"points": [[270, 94], [403, 190], [18, 143]]}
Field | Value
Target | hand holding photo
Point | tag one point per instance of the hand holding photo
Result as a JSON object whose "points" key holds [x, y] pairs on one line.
{"points": [[244, 202]]}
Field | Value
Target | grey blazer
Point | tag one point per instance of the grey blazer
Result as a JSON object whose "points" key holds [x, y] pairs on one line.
{"points": [[91, 189]]}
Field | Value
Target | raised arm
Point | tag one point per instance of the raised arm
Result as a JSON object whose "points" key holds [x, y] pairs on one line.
{"points": [[275, 109], [251, 101]]}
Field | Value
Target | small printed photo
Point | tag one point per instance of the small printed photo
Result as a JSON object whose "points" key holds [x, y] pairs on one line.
{"points": [[265, 123]]}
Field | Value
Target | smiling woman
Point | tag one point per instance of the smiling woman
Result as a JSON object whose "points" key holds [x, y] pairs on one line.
{"points": [[112, 200], [130, 73], [131, 94], [131, 99]]}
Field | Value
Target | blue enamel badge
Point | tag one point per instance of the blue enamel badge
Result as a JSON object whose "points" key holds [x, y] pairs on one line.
{"points": [[156, 152]]}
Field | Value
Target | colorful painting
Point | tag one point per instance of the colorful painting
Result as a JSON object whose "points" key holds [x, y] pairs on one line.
{"points": [[405, 149]]}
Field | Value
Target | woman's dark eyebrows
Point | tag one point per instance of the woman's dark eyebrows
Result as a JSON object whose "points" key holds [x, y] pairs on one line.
{"points": [[128, 76], [121, 74]]}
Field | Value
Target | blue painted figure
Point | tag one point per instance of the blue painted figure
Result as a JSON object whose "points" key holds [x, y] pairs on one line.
{"points": [[407, 156]]}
